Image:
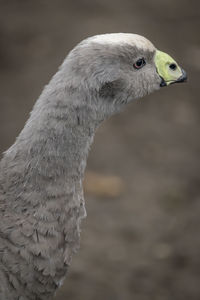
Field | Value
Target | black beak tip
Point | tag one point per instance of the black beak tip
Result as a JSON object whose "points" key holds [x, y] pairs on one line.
{"points": [[183, 77]]}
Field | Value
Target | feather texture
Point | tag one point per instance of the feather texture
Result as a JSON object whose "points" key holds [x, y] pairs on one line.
{"points": [[41, 201]]}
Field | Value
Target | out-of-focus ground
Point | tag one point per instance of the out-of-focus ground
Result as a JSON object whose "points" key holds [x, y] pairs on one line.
{"points": [[143, 244]]}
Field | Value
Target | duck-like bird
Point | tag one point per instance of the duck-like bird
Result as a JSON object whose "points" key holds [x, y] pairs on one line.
{"points": [[41, 194]]}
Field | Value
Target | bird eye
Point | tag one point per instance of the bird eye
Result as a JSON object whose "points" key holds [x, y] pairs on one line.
{"points": [[173, 67], [139, 63]]}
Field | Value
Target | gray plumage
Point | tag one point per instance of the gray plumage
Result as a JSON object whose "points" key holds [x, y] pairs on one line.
{"points": [[41, 195]]}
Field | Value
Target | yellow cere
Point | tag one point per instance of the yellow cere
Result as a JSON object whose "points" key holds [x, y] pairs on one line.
{"points": [[163, 62]]}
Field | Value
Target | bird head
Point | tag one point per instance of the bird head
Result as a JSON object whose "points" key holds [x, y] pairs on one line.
{"points": [[111, 70]]}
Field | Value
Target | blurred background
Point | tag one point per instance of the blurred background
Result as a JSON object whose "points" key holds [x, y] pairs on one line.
{"points": [[141, 239]]}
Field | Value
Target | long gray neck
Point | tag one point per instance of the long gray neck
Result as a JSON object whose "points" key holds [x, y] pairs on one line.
{"points": [[41, 187], [49, 156]]}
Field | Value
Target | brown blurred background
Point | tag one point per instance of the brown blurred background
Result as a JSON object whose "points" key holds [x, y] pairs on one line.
{"points": [[140, 242]]}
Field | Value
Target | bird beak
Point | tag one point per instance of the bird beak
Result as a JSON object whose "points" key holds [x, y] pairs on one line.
{"points": [[168, 70]]}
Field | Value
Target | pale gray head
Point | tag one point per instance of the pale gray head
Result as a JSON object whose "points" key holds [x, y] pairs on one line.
{"points": [[107, 71]]}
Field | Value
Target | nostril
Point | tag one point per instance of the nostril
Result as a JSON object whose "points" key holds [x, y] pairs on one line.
{"points": [[173, 67]]}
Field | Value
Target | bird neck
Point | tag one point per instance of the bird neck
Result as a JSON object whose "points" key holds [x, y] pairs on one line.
{"points": [[42, 176], [58, 143], [49, 156]]}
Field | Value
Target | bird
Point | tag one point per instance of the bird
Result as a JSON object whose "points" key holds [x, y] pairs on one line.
{"points": [[41, 174]]}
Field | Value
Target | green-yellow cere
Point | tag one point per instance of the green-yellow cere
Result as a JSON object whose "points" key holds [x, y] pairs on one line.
{"points": [[163, 61]]}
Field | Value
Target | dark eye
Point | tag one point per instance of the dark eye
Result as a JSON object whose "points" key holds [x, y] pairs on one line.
{"points": [[139, 63]]}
